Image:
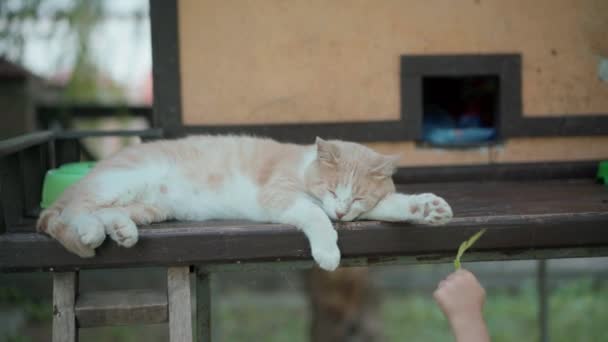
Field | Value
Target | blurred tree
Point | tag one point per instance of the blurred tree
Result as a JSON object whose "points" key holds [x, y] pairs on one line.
{"points": [[14, 16], [70, 23]]}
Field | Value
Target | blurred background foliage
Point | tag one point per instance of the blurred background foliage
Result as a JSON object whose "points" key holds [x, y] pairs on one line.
{"points": [[70, 24], [273, 306]]}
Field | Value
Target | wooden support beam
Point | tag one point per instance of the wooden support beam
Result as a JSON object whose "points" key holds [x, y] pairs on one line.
{"points": [[33, 163], [543, 301], [11, 194], [22, 142], [124, 307], [204, 330], [65, 287], [180, 304]]}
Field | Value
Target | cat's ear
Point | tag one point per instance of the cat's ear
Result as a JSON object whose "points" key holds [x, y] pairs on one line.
{"points": [[327, 153], [385, 166]]}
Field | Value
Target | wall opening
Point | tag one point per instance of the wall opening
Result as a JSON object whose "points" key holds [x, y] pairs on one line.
{"points": [[460, 111]]}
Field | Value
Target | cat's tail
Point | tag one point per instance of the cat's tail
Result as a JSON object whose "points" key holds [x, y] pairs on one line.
{"points": [[47, 217]]}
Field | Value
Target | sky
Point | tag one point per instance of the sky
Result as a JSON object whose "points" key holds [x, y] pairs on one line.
{"points": [[121, 48]]}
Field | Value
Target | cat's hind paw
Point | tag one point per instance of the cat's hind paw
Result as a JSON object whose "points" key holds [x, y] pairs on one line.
{"points": [[431, 209], [90, 230], [80, 235]]}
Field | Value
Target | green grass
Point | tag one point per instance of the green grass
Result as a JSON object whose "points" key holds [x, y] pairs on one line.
{"points": [[35, 310], [578, 312], [268, 317]]}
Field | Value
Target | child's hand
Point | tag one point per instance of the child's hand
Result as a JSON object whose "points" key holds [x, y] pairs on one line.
{"points": [[461, 299], [460, 294]]}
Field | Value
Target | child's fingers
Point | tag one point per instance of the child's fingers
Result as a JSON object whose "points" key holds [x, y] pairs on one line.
{"points": [[439, 296], [442, 284], [461, 273]]}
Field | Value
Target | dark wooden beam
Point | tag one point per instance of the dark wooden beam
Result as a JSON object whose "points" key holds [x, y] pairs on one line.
{"points": [[560, 125], [306, 132], [22, 142], [204, 243], [165, 65], [497, 172], [91, 110], [153, 133]]}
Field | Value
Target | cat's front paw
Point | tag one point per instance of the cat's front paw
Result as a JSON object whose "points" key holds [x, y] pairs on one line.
{"points": [[430, 209], [325, 251], [328, 257]]}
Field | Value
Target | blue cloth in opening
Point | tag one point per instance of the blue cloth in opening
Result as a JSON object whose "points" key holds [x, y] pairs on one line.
{"points": [[440, 128]]}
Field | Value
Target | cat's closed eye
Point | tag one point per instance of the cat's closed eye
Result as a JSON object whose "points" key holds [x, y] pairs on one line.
{"points": [[332, 193]]}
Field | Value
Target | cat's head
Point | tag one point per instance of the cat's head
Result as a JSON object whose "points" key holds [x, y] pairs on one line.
{"points": [[349, 179]]}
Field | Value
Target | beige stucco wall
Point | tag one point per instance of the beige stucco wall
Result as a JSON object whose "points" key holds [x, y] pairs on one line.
{"points": [[261, 61], [277, 61]]}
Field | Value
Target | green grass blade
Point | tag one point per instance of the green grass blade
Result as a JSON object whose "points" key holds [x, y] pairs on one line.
{"points": [[461, 249], [465, 245]]}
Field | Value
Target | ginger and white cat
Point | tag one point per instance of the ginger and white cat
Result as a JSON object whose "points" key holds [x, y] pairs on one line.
{"points": [[235, 177]]}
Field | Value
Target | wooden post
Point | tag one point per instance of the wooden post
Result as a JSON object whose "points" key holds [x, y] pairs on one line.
{"points": [[65, 286], [180, 304], [543, 300], [203, 306]]}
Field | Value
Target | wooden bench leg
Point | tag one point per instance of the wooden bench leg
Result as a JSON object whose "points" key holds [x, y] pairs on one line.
{"points": [[180, 304], [203, 306], [65, 286]]}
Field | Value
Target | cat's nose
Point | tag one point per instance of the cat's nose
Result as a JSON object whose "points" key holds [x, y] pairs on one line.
{"points": [[339, 215]]}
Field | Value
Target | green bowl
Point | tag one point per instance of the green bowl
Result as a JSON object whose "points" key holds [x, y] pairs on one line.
{"points": [[602, 172], [57, 180]]}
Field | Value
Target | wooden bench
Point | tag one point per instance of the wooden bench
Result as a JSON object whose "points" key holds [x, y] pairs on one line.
{"points": [[526, 219], [73, 310], [542, 219]]}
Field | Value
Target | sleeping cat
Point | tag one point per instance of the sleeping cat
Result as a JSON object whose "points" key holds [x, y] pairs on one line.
{"points": [[236, 177]]}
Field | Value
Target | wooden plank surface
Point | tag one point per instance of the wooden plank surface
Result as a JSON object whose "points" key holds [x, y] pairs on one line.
{"points": [[551, 217], [65, 286], [180, 304], [493, 199], [124, 307]]}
